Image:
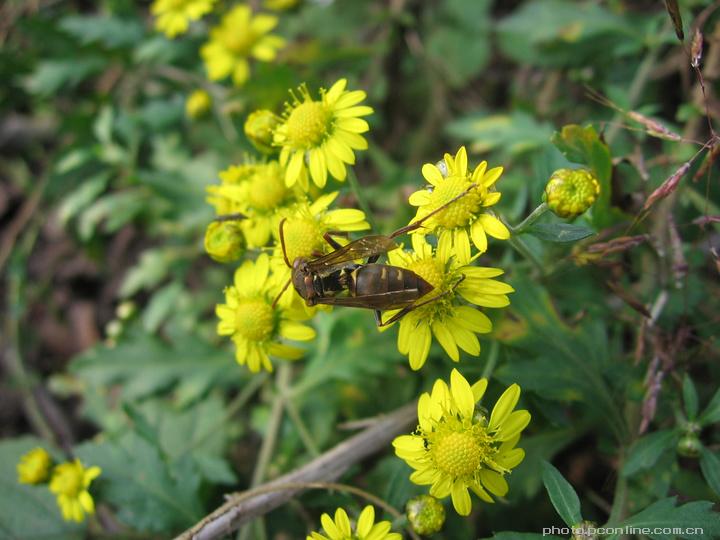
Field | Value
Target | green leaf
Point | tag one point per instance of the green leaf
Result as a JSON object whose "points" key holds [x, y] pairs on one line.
{"points": [[112, 32], [141, 365], [152, 268], [513, 134], [665, 515], [562, 495], [146, 492], [560, 232], [77, 200], [711, 414], [115, 209], [460, 53], [710, 467], [29, 512], [52, 75], [690, 398], [647, 450], [161, 306]]}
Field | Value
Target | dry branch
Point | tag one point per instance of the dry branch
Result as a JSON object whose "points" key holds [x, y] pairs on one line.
{"points": [[243, 507]]}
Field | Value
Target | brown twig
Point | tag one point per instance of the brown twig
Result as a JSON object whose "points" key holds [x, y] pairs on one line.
{"points": [[242, 507]]}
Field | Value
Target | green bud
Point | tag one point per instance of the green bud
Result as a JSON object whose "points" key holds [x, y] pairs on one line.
{"points": [[259, 128], [689, 446], [584, 531], [426, 514], [570, 192], [125, 310], [224, 241]]}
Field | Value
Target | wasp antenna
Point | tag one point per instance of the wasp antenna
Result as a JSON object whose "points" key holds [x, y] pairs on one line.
{"points": [[282, 243], [277, 298], [237, 216]]}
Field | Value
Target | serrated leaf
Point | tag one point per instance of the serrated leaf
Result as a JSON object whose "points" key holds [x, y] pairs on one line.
{"points": [[690, 398], [665, 515], [647, 450], [116, 209], [161, 306], [29, 512], [562, 495], [145, 491], [560, 232], [78, 199], [711, 414], [112, 32], [141, 365], [710, 467], [52, 75], [152, 268]]}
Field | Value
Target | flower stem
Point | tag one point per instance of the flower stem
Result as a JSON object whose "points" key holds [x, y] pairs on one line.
{"points": [[268, 445], [532, 218], [521, 247], [492, 360], [360, 197]]}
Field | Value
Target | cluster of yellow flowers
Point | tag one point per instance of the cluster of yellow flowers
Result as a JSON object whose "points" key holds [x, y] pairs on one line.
{"points": [[69, 481]]}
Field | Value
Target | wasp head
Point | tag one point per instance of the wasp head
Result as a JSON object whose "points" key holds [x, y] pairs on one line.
{"points": [[302, 280]]}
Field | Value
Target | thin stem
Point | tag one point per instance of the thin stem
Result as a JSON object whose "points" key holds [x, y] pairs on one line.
{"points": [[303, 431], [532, 218], [521, 247], [268, 445], [617, 512], [360, 197], [492, 360]]}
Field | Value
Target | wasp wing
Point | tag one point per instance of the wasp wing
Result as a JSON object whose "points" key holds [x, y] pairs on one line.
{"points": [[362, 248], [381, 301]]}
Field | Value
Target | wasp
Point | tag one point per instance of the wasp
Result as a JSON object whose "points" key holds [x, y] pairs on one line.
{"points": [[337, 278]]}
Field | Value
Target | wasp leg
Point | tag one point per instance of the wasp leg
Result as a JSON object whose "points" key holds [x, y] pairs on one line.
{"points": [[417, 224], [330, 240], [404, 311], [230, 217], [378, 318]]}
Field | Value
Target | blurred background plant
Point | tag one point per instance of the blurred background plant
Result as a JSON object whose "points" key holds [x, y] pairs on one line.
{"points": [[115, 116]]}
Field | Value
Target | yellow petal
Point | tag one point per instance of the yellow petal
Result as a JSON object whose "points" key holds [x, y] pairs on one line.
{"points": [[296, 331], [461, 162], [478, 389], [494, 227], [461, 498], [472, 319], [318, 169], [350, 99], [478, 236], [419, 346], [353, 125], [446, 340], [329, 526], [510, 459], [293, 169], [86, 502], [432, 174], [491, 176], [465, 339], [343, 522], [513, 425], [494, 482], [287, 352], [504, 407], [336, 91], [462, 394], [419, 198], [462, 246], [365, 522]]}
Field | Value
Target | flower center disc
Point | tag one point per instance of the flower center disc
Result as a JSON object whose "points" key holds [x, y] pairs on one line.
{"points": [[302, 238], [308, 124], [239, 42], [254, 320], [459, 213], [72, 481], [430, 271], [267, 190], [457, 454]]}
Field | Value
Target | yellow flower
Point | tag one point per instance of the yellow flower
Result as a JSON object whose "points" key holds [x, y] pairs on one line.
{"points": [[453, 325], [321, 134], [456, 447], [174, 16], [198, 104], [253, 324], [462, 219], [224, 241], [34, 466], [366, 528], [238, 37], [256, 190], [70, 482]]}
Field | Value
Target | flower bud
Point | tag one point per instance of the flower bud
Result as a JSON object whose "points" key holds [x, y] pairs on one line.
{"points": [[689, 446], [198, 104], [426, 514], [259, 128], [34, 466], [224, 241], [570, 192], [585, 530]]}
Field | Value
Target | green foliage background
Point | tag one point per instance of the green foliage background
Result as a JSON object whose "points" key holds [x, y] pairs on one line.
{"points": [[109, 341]]}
